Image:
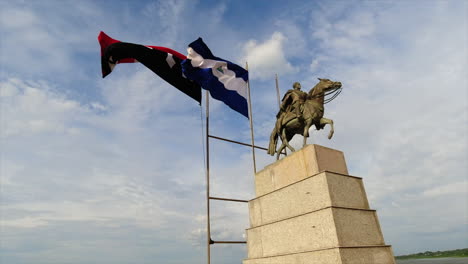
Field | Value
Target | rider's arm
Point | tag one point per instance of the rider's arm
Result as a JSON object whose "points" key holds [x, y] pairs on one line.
{"points": [[285, 102]]}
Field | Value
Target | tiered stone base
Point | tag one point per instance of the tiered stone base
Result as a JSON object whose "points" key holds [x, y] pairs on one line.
{"points": [[308, 210]]}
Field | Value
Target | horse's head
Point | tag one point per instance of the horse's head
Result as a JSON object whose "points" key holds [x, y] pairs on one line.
{"points": [[323, 86], [328, 85]]}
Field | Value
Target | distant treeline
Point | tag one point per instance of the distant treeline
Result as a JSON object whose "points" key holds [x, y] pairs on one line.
{"points": [[460, 253]]}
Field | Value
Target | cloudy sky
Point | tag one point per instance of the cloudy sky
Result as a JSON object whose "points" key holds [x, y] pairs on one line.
{"points": [[111, 170]]}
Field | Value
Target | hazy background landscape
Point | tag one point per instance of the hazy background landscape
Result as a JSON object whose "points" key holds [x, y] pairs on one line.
{"points": [[434, 261]]}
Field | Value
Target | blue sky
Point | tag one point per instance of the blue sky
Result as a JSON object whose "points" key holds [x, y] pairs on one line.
{"points": [[111, 170]]}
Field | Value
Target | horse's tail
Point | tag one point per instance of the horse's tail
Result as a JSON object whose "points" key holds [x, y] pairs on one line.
{"points": [[273, 142]]}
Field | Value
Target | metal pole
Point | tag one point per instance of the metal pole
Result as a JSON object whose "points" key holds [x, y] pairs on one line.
{"points": [[208, 229], [277, 90], [279, 100], [251, 123], [229, 242], [236, 142], [229, 200]]}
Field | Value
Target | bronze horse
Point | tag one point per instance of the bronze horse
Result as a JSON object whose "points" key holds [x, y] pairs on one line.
{"points": [[312, 113]]}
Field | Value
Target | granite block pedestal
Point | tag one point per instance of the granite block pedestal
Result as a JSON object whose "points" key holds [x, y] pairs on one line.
{"points": [[308, 210]]}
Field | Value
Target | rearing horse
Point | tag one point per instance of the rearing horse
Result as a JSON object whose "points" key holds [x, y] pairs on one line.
{"points": [[312, 114]]}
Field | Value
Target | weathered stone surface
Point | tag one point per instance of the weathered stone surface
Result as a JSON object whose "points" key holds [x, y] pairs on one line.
{"points": [[326, 228], [254, 243], [319, 158], [347, 191], [329, 256], [308, 232], [313, 193], [369, 255], [306, 162], [357, 227], [365, 255]]}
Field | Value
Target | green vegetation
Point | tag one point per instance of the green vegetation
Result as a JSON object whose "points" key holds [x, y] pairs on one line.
{"points": [[457, 253]]}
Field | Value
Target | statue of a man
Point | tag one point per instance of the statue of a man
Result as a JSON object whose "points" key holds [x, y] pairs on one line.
{"points": [[292, 102]]}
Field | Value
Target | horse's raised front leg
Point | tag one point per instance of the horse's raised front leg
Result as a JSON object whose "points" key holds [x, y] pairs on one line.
{"points": [[324, 121], [285, 140]]}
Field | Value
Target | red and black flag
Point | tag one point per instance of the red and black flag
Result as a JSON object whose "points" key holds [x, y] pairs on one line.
{"points": [[163, 61]]}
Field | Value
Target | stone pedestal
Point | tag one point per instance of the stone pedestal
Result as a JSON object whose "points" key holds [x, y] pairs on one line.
{"points": [[308, 210]]}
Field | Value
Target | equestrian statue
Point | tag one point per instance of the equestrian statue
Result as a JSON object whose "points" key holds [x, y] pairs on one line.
{"points": [[299, 111]]}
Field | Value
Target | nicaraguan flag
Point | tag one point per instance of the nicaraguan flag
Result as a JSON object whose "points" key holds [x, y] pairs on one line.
{"points": [[225, 80]]}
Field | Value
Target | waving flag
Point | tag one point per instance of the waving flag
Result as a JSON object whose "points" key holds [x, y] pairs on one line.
{"points": [[165, 62], [225, 80]]}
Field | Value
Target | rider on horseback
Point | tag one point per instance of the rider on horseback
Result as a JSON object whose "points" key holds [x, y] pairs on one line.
{"points": [[292, 102], [299, 111]]}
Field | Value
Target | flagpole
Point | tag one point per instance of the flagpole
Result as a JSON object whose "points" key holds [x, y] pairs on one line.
{"points": [[279, 100], [208, 229], [251, 123], [277, 90]]}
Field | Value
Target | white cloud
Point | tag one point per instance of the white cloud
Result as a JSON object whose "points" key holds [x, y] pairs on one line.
{"points": [[37, 40], [35, 110], [318, 63], [451, 188], [36, 116], [295, 40], [170, 14], [17, 19], [267, 58], [24, 32]]}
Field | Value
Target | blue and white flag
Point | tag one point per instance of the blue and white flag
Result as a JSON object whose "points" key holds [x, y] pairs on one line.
{"points": [[225, 80]]}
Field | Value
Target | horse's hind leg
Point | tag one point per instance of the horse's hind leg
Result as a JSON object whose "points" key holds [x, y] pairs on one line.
{"points": [[281, 148], [285, 140], [324, 121]]}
